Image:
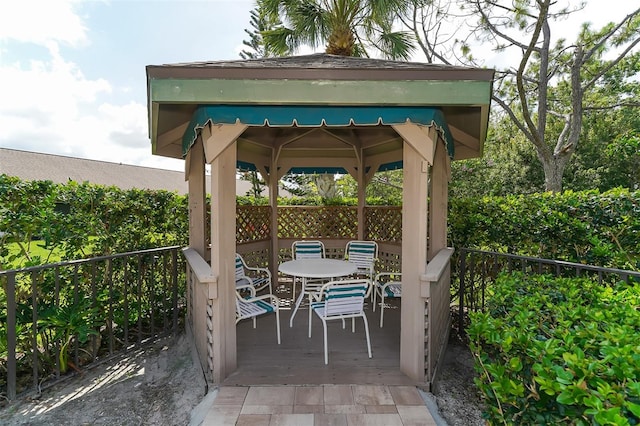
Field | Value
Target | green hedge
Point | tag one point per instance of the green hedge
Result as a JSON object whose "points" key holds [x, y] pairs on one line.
{"points": [[551, 350], [75, 220], [586, 227], [79, 220]]}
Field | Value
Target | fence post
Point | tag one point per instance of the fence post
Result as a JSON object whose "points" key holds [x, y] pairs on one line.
{"points": [[174, 282], [34, 326], [11, 336], [462, 269]]}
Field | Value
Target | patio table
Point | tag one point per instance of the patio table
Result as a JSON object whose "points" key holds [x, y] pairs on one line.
{"points": [[314, 268]]}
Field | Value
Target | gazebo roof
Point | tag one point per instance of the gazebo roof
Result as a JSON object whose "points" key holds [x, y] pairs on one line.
{"points": [[177, 94]]}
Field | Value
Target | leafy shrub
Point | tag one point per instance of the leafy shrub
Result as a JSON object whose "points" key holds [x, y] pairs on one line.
{"points": [[584, 227], [554, 350], [42, 222]]}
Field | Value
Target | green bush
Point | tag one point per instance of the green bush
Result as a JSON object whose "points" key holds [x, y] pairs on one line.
{"points": [[77, 220], [43, 222], [553, 350], [584, 227]]}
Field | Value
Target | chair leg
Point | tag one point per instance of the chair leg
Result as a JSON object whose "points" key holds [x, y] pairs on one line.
{"points": [[278, 324], [373, 296], [366, 330], [326, 350], [381, 309], [310, 315]]}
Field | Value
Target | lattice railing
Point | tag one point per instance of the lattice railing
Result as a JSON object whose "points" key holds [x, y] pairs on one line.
{"points": [[383, 224], [321, 222], [253, 223], [388, 262]]}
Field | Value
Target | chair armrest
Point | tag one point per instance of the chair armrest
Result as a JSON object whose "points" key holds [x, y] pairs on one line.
{"points": [[249, 286], [275, 301], [391, 276], [263, 270]]}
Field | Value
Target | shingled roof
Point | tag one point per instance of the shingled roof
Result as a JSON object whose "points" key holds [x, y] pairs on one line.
{"points": [[315, 66], [60, 169]]}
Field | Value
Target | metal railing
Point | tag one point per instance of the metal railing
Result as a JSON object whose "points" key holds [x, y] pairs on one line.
{"points": [[476, 270], [63, 317]]}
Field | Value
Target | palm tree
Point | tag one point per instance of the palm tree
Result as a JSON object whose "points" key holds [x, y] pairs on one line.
{"points": [[348, 27]]}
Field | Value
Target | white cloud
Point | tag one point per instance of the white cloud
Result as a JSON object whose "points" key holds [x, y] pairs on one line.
{"points": [[52, 87], [49, 105], [41, 21]]}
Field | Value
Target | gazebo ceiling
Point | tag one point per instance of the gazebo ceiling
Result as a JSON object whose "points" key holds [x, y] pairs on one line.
{"points": [[176, 92]]}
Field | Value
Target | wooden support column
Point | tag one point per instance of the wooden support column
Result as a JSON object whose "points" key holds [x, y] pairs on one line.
{"points": [[439, 198], [273, 201], [223, 247], [194, 171], [414, 258], [362, 196]]}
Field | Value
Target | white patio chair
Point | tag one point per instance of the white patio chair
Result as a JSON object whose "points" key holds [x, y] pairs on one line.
{"points": [[386, 285], [340, 300], [364, 254], [254, 306], [258, 278], [307, 249]]}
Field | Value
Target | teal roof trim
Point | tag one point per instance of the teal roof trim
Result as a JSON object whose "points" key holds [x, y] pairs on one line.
{"points": [[317, 170], [245, 167], [314, 116], [390, 166]]}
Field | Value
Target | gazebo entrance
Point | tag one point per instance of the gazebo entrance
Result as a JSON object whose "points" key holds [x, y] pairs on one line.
{"points": [[318, 112], [299, 359]]}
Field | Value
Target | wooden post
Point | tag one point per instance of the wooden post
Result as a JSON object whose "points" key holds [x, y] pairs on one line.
{"points": [[223, 244], [362, 196], [197, 198], [273, 201], [439, 198], [414, 259]]}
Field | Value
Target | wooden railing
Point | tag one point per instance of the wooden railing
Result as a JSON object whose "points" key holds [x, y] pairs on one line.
{"points": [[201, 289], [435, 290]]}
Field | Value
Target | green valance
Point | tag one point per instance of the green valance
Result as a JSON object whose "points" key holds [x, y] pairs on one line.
{"points": [[314, 116]]}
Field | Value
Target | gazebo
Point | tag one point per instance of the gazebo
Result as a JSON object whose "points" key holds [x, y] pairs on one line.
{"points": [[326, 114]]}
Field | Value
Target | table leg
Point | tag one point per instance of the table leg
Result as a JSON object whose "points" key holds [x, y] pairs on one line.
{"points": [[298, 301]]}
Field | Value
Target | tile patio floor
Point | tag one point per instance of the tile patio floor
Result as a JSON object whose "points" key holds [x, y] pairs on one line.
{"points": [[339, 405]]}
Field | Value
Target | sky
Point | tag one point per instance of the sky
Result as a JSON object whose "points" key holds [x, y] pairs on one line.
{"points": [[72, 73]]}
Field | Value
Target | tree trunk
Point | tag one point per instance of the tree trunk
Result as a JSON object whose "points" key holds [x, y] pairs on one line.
{"points": [[326, 185], [554, 167]]}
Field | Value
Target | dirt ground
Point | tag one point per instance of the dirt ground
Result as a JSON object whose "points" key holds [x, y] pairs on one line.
{"points": [[157, 385], [455, 393], [161, 385]]}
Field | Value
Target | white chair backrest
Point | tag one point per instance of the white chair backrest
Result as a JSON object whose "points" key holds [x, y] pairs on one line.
{"points": [[307, 249], [362, 253], [345, 299], [239, 267]]}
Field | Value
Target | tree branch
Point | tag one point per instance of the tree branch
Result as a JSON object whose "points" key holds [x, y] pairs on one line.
{"points": [[538, 134], [613, 106], [519, 124], [494, 30], [589, 53]]}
